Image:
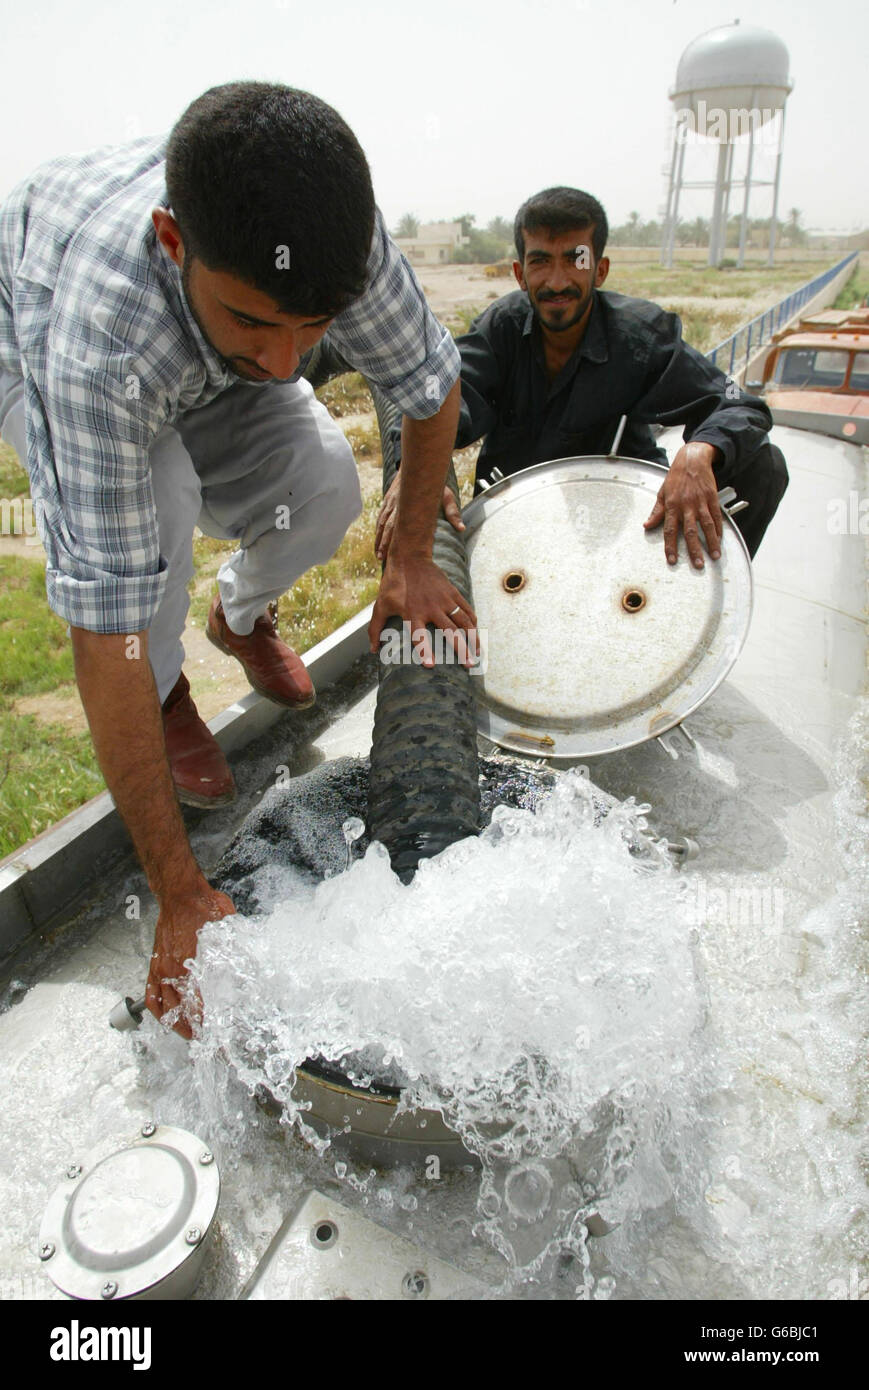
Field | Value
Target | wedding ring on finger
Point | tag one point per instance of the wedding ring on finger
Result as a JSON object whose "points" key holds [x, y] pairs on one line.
{"points": [[455, 610]]}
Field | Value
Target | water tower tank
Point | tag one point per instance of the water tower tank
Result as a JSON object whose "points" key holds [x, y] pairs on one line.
{"points": [[732, 68]]}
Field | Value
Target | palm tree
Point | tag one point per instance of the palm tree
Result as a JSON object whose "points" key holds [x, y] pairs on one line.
{"points": [[795, 234], [467, 220], [408, 226], [700, 231]]}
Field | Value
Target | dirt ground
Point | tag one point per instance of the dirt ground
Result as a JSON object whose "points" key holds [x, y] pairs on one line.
{"points": [[451, 287]]}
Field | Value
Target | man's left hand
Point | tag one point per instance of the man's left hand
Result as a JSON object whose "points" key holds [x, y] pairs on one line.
{"points": [[414, 589], [389, 513], [688, 497]]}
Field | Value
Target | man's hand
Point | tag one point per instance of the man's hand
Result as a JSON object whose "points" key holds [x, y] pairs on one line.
{"points": [[689, 497], [120, 700], [389, 511], [413, 588], [417, 591], [175, 941]]}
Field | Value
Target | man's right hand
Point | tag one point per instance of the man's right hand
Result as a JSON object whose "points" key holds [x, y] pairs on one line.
{"points": [[388, 511], [175, 941], [123, 710]]}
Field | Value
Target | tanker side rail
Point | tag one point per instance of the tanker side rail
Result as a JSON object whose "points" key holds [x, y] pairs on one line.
{"points": [[734, 354]]}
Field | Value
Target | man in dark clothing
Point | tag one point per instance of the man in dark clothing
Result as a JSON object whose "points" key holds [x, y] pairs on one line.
{"points": [[549, 370]]}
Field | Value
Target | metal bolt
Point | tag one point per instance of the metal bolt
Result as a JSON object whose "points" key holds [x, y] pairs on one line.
{"points": [[46, 1251], [193, 1236], [148, 1129], [415, 1285], [109, 1289], [73, 1170], [206, 1158]]}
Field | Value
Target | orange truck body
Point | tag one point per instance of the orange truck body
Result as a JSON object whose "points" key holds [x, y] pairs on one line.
{"points": [[816, 374]]}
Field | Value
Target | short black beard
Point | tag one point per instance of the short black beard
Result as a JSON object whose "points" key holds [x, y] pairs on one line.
{"points": [[185, 285], [562, 327]]}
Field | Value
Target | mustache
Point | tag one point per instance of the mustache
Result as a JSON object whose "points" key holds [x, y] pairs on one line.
{"points": [[561, 294]]}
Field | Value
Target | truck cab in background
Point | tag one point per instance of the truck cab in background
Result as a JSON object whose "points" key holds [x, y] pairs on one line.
{"points": [[816, 374]]}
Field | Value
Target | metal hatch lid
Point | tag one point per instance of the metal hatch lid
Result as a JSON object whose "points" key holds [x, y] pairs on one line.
{"points": [[136, 1223], [590, 641]]}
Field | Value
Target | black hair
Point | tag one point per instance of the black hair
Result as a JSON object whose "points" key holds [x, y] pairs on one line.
{"points": [[269, 184], [560, 210]]}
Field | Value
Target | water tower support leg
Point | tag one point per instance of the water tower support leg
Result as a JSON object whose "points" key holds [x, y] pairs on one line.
{"points": [[715, 229], [772, 223], [666, 257], [674, 211], [725, 206], [743, 226]]}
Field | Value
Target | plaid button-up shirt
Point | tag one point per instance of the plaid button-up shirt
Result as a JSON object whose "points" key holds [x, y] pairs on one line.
{"points": [[94, 319]]}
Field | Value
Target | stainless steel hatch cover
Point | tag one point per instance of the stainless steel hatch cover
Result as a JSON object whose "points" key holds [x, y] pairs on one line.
{"points": [[136, 1224], [591, 642]]}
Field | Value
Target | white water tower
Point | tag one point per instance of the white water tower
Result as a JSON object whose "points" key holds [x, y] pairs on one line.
{"points": [[731, 83]]}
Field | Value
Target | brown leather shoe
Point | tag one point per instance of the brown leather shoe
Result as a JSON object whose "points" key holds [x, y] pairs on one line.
{"points": [[273, 669], [199, 770]]}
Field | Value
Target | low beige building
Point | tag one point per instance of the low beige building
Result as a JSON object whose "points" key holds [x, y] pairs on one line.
{"points": [[433, 244]]}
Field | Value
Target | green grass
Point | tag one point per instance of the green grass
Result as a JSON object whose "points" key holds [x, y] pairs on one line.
{"points": [[14, 481], [329, 594], [345, 395], [856, 289], [364, 440], [321, 600], [45, 772], [706, 328], [461, 318], [35, 652], [652, 281], [45, 769], [707, 325]]}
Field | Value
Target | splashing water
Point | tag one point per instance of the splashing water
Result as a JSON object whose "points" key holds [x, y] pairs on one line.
{"points": [[537, 986], [727, 1142], [352, 830]]}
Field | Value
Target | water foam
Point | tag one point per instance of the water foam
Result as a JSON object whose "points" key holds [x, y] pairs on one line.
{"points": [[742, 1175], [537, 986]]}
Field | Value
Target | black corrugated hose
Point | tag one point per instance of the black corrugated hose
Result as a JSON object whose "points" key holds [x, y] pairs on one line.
{"points": [[423, 791]]}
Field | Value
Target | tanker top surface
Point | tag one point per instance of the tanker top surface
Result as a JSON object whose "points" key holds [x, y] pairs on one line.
{"points": [[705, 1026]]}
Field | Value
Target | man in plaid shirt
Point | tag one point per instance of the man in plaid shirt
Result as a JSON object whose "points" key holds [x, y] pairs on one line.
{"points": [[155, 302]]}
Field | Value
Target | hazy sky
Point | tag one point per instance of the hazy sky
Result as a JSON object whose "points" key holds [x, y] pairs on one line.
{"points": [[461, 105]]}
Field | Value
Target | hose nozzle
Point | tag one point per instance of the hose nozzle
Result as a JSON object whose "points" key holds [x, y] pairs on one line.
{"points": [[127, 1014]]}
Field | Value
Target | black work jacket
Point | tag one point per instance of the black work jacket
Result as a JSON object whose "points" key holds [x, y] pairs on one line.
{"points": [[631, 361]]}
